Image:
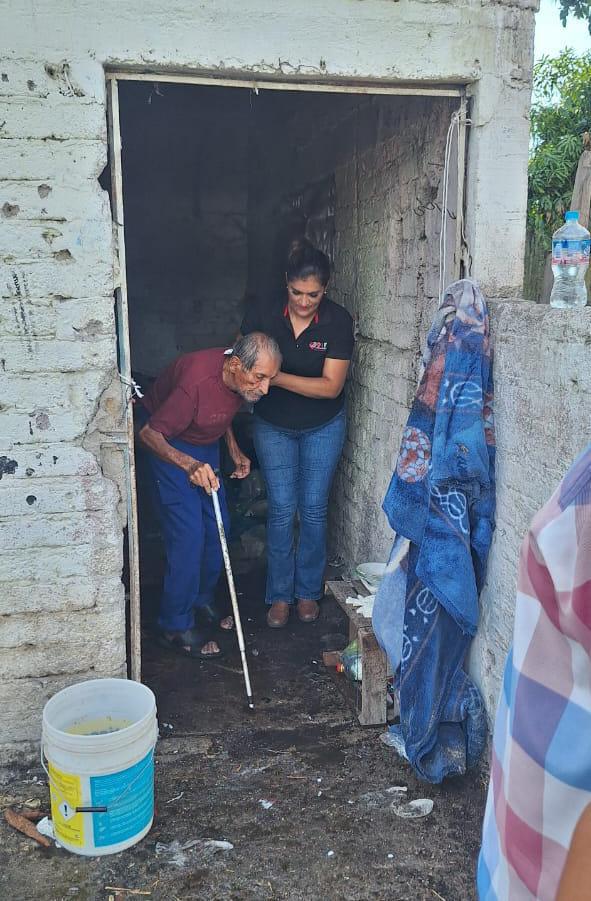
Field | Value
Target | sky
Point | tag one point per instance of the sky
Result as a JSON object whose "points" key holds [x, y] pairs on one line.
{"points": [[551, 37]]}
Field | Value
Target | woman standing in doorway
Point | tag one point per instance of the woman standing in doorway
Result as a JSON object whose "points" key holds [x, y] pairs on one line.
{"points": [[300, 429]]}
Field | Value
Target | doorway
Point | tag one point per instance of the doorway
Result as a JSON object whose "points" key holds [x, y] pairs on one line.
{"points": [[214, 180]]}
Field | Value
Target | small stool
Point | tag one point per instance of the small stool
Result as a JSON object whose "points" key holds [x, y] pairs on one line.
{"points": [[374, 662]]}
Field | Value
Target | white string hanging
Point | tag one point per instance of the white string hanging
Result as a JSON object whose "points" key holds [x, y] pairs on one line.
{"points": [[458, 118]]}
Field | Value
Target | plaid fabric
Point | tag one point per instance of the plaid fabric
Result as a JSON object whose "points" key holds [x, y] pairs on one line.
{"points": [[541, 762]]}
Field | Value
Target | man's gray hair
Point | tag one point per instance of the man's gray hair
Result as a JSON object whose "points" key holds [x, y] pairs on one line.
{"points": [[249, 348]]}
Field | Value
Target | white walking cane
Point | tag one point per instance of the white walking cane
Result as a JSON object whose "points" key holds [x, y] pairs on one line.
{"points": [[232, 587]]}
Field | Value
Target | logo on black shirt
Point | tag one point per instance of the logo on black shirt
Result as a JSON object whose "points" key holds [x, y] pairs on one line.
{"points": [[318, 345]]}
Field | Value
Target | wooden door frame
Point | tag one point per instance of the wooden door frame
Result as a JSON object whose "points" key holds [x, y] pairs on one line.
{"points": [[122, 314]]}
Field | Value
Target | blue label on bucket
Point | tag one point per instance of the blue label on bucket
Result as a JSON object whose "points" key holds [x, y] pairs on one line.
{"points": [[129, 797]]}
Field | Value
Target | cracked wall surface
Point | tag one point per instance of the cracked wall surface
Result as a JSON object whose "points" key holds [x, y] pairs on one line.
{"points": [[62, 499], [61, 493], [388, 226]]}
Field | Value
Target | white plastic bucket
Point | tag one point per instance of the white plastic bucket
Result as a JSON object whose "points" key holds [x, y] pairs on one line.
{"points": [[102, 782]]}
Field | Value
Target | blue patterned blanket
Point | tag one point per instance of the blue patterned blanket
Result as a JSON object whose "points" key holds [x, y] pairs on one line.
{"points": [[442, 499]]}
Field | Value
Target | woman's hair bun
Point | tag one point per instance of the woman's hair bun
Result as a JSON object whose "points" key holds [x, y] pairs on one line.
{"points": [[299, 246], [305, 261]]}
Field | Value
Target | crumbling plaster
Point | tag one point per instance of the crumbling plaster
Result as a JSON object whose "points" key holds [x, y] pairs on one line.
{"points": [[58, 264]]}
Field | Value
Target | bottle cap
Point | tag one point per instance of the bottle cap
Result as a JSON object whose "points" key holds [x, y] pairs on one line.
{"points": [[572, 216]]}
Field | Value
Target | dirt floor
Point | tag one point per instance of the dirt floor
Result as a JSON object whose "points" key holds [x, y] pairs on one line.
{"points": [[330, 833]]}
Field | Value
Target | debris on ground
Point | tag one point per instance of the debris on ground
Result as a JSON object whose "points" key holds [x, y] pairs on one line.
{"points": [[119, 890], [33, 815], [202, 850], [22, 824], [266, 805], [395, 741], [45, 827], [397, 790], [413, 810]]}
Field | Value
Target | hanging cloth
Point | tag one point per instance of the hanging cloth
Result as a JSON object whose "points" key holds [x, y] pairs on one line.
{"points": [[442, 500]]}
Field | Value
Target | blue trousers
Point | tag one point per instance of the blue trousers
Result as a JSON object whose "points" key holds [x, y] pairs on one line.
{"points": [[193, 553], [298, 467]]}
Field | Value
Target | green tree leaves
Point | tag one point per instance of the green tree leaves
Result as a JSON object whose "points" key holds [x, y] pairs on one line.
{"points": [[561, 112], [580, 9]]}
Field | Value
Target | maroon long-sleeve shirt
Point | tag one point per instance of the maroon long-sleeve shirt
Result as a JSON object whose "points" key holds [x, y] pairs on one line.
{"points": [[189, 400]]}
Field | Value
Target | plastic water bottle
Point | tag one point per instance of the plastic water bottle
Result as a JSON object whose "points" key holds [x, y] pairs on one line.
{"points": [[351, 662], [570, 261]]}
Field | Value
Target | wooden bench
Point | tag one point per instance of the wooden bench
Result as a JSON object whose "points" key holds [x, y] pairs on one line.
{"points": [[372, 708]]}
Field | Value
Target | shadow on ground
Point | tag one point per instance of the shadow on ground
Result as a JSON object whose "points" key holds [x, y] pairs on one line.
{"points": [[330, 832]]}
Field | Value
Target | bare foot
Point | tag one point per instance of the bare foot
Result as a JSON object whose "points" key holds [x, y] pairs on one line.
{"points": [[227, 624]]}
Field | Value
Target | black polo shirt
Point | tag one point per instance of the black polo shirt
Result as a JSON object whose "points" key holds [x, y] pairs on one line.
{"points": [[329, 335]]}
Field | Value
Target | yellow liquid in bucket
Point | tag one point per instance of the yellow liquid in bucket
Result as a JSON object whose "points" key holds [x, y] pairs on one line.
{"points": [[104, 725]]}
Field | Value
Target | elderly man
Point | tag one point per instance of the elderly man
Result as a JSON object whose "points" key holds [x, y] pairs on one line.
{"points": [[185, 413]]}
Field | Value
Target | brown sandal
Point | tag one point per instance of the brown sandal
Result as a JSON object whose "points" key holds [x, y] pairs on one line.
{"points": [[278, 614]]}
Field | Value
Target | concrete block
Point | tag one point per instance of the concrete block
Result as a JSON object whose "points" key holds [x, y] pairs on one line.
{"points": [[53, 203], [61, 276], [48, 318], [42, 355], [63, 162], [23, 240], [66, 595], [54, 118], [30, 631], [38, 564], [50, 408], [23, 428], [66, 658], [52, 392], [42, 460], [55, 495], [96, 528], [39, 78]]}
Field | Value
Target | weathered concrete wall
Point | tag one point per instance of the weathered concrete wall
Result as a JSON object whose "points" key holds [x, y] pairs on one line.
{"points": [[543, 421], [185, 161], [61, 405], [386, 273], [61, 595]]}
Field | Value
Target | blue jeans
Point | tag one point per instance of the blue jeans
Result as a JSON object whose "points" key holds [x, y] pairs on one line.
{"points": [[298, 467], [193, 553]]}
